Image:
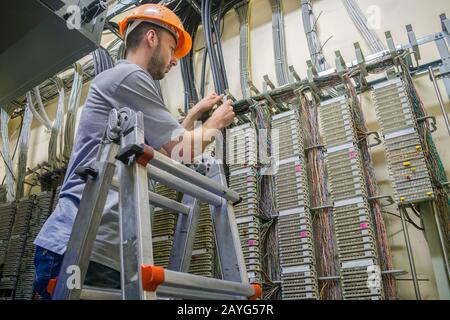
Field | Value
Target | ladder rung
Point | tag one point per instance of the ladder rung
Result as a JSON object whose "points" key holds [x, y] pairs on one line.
{"points": [[156, 276], [200, 294], [183, 186], [94, 293], [91, 293], [166, 203], [195, 178]]}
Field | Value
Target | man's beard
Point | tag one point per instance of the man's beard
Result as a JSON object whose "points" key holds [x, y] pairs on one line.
{"points": [[156, 66]]}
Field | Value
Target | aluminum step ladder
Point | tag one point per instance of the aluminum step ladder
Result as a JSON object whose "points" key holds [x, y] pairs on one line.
{"points": [[123, 146]]}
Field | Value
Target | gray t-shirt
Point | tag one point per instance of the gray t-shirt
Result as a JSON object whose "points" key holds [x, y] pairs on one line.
{"points": [[125, 85]]}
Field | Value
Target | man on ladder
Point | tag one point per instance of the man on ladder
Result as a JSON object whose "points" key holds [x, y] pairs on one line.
{"points": [[155, 39]]}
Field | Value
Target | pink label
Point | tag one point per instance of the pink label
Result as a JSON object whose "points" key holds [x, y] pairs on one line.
{"points": [[298, 168], [249, 179], [304, 234], [353, 154], [251, 242], [364, 225]]}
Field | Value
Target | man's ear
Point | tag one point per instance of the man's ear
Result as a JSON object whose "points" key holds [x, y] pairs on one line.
{"points": [[152, 38]]}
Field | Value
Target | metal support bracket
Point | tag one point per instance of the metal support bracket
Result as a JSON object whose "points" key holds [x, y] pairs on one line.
{"points": [[361, 63], [413, 41], [433, 122], [294, 74], [391, 45]]}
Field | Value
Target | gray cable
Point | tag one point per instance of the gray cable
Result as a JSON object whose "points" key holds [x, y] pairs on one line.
{"points": [[4, 120], [279, 43], [360, 22], [314, 46], [73, 105], [56, 127], [24, 142], [242, 12]]}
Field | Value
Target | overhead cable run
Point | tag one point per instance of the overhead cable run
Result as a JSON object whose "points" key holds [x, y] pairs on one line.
{"points": [[102, 60], [191, 22], [6, 155], [56, 127], [73, 105], [243, 13], [213, 46], [279, 43], [360, 21], [314, 45], [24, 142]]}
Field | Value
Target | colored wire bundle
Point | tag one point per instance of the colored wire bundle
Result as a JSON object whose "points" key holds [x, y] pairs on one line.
{"points": [[433, 159], [266, 195], [320, 197], [390, 288]]}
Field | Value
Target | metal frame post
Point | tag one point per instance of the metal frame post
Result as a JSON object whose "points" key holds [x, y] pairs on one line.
{"points": [[438, 249], [184, 237], [134, 219], [86, 223], [227, 235], [410, 253]]}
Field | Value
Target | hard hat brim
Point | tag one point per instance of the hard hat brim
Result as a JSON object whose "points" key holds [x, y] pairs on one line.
{"points": [[184, 44]]}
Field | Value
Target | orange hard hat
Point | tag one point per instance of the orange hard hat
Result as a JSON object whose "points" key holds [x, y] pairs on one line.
{"points": [[163, 17]]}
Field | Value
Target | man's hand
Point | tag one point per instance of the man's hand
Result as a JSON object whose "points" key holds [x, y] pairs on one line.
{"points": [[222, 117], [207, 103]]}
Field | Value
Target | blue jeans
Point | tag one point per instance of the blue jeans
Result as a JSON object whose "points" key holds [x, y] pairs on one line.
{"points": [[47, 265]]}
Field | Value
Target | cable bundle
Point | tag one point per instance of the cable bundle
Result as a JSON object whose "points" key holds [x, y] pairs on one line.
{"points": [[315, 48], [56, 127], [279, 43], [360, 22], [191, 23], [268, 213], [74, 102], [7, 156], [214, 50], [434, 162], [390, 288], [24, 141], [320, 197], [40, 113], [102, 60], [243, 13]]}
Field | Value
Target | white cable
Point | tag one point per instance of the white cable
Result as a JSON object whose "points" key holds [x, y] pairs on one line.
{"points": [[24, 141], [242, 12], [41, 108], [56, 127], [314, 45], [279, 43], [362, 25], [4, 120], [74, 103]]}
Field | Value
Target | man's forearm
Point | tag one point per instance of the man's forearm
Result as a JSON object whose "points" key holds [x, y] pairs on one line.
{"points": [[189, 122], [191, 144]]}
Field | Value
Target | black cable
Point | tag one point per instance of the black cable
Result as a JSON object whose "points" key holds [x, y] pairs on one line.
{"points": [[203, 79], [411, 221], [407, 220], [415, 211]]}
